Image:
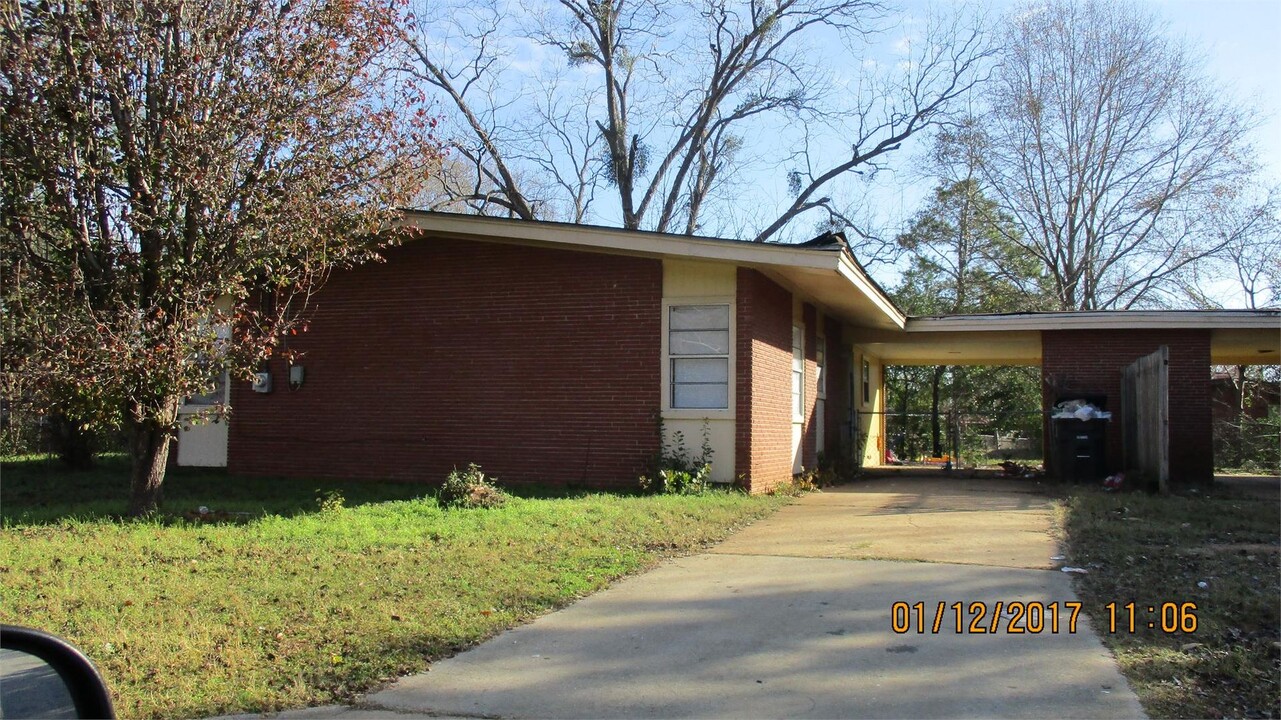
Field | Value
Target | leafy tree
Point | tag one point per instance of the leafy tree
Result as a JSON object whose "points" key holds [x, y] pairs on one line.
{"points": [[1106, 142], [174, 168], [670, 95], [964, 249], [961, 262]]}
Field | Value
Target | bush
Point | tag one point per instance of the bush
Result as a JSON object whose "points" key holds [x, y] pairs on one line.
{"points": [[811, 479], [470, 489], [675, 481], [329, 501], [1249, 444], [674, 472]]}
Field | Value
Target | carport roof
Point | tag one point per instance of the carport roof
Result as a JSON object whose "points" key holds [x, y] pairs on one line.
{"points": [[826, 270], [1237, 337]]}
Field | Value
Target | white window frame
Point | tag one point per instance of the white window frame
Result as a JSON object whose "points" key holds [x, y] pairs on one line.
{"points": [[798, 381], [670, 412], [820, 357], [820, 406], [865, 384]]}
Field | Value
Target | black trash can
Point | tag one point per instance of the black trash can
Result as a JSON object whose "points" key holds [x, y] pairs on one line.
{"points": [[1078, 448]]}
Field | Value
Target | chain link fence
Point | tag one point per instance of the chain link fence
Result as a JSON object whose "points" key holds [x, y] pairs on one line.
{"points": [[1249, 444], [966, 439]]}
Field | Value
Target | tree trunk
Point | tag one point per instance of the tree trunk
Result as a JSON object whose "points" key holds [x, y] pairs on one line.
{"points": [[935, 431], [1238, 421], [73, 444], [906, 446], [149, 449], [954, 435]]}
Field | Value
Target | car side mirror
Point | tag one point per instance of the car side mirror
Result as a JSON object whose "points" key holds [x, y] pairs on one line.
{"points": [[44, 676]]}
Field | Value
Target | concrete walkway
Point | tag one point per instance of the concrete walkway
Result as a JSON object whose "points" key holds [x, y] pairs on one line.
{"points": [[792, 618]]}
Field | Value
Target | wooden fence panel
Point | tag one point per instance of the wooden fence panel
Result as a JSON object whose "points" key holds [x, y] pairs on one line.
{"points": [[1145, 416]]}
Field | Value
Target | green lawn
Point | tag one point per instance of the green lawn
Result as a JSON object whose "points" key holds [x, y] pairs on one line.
{"points": [[1155, 550], [293, 605]]}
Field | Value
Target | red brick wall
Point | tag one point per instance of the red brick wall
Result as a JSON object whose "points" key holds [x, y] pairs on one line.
{"points": [[540, 365], [1091, 362], [763, 389]]}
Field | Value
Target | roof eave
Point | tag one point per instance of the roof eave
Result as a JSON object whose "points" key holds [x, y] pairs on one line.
{"points": [[1102, 320], [835, 259]]}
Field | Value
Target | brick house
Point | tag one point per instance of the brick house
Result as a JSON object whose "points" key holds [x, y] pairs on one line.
{"points": [[1228, 404], [557, 353]]}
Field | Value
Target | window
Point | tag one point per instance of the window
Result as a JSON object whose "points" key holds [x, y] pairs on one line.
{"points": [[867, 381], [798, 373], [820, 409], [820, 349], [215, 397], [698, 350]]}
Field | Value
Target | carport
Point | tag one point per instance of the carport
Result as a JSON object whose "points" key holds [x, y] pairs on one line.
{"points": [[1086, 354]]}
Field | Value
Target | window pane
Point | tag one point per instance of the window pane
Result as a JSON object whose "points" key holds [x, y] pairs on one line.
{"points": [[867, 382], [798, 397], [699, 317], [798, 372], [714, 395], [700, 370], [217, 395], [699, 382], [821, 351], [699, 342]]}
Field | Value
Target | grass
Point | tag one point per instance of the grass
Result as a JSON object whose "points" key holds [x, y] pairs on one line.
{"points": [[1153, 550], [295, 605]]}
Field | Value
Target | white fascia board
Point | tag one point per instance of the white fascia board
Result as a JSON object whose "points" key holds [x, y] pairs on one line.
{"points": [[860, 280], [1111, 320], [625, 241], [651, 244]]}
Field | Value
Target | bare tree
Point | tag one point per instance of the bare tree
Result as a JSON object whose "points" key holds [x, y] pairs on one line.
{"points": [[1106, 142], [561, 143], [672, 92], [1246, 221], [162, 159]]}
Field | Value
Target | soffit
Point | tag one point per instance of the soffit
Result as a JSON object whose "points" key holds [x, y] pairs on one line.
{"points": [[826, 277]]}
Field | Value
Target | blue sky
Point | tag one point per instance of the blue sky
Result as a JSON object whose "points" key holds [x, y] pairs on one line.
{"points": [[1241, 40]]}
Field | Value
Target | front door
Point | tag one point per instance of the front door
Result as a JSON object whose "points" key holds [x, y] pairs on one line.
{"points": [[204, 444]]}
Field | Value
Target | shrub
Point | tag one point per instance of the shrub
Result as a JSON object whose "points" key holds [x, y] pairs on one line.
{"points": [[674, 472], [470, 489], [811, 479], [674, 481], [330, 500], [1249, 444]]}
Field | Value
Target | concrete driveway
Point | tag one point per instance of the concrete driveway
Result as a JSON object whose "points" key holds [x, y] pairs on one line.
{"points": [[792, 617], [932, 518]]}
